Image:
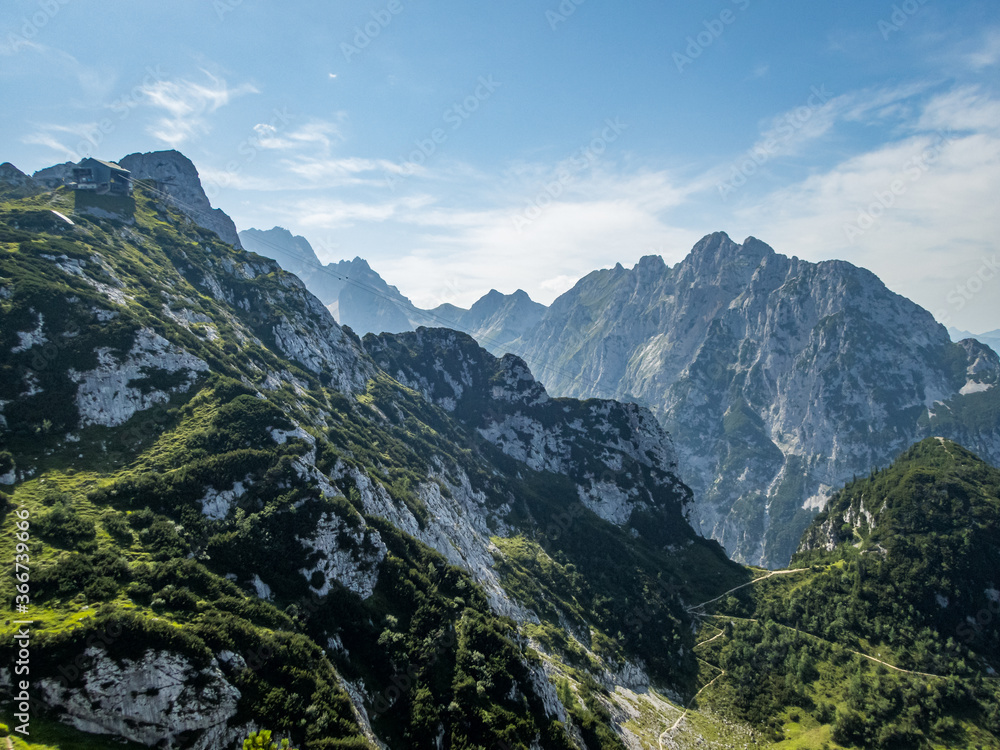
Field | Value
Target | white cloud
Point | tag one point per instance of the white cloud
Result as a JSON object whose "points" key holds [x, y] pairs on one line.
{"points": [[343, 170], [964, 109], [187, 105], [319, 136], [920, 212], [598, 219], [86, 139], [45, 138], [989, 54]]}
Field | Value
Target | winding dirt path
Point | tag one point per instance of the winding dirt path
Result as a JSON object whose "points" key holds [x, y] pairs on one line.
{"points": [[818, 638], [749, 583], [684, 713]]}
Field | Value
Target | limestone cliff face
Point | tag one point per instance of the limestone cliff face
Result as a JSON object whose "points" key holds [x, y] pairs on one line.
{"points": [[155, 700], [177, 176], [779, 379], [617, 454]]}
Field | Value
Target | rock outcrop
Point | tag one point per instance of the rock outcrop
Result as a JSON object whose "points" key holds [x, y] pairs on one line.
{"points": [[177, 176], [153, 700]]}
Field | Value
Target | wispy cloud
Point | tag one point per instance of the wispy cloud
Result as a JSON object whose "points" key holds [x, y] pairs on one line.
{"points": [[48, 140], [187, 105], [989, 54], [925, 203], [319, 136], [84, 139], [343, 170]]}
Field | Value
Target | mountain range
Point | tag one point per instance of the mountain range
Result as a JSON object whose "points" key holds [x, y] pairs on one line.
{"points": [[359, 298], [759, 362], [780, 379], [241, 515]]}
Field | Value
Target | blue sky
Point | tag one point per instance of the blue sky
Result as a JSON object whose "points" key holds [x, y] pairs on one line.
{"points": [[466, 146]]}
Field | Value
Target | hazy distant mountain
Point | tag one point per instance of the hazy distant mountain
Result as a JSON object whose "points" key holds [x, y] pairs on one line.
{"points": [[780, 379], [495, 320], [990, 338], [360, 298], [356, 295]]}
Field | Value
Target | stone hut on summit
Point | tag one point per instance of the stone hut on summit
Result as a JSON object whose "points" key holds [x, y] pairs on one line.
{"points": [[103, 177]]}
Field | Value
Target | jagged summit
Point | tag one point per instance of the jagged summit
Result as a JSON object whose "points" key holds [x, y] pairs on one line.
{"points": [[174, 174], [650, 264]]}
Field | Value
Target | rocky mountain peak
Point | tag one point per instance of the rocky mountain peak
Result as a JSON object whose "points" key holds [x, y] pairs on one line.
{"points": [[13, 180], [293, 252], [178, 177], [650, 264], [55, 175], [780, 378]]}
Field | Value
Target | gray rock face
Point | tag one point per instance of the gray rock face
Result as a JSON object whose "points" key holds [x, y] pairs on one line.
{"points": [[54, 176], [150, 701], [106, 396], [177, 176], [353, 564], [779, 379], [629, 463], [990, 338], [15, 183]]}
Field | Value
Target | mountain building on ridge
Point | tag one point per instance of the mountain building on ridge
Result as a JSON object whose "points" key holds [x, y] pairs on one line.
{"points": [[103, 177]]}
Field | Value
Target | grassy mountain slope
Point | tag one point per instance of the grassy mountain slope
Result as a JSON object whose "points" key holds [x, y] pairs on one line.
{"points": [[886, 637], [237, 518]]}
